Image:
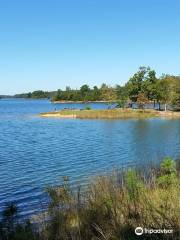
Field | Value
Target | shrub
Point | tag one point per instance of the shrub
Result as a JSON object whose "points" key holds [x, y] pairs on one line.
{"points": [[168, 175], [87, 108]]}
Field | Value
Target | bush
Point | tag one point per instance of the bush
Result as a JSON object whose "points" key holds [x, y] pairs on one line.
{"points": [[168, 175], [87, 108]]}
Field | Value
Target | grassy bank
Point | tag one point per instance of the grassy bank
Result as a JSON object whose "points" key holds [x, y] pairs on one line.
{"points": [[103, 114], [110, 209]]}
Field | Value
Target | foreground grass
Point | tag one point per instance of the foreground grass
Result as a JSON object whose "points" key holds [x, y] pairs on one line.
{"points": [[110, 209], [103, 114]]}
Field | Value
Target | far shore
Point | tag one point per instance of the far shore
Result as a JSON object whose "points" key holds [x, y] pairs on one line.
{"points": [[112, 114]]}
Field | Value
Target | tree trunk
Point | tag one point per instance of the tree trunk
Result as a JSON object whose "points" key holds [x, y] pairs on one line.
{"points": [[159, 106], [165, 107], [154, 104]]}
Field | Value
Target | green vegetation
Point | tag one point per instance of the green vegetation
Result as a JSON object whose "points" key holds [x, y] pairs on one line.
{"points": [[85, 93], [110, 208], [176, 96], [35, 95], [142, 88], [87, 108]]}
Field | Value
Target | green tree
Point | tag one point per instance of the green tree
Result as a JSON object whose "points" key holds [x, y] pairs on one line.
{"points": [[164, 90], [135, 83], [149, 86], [39, 94], [122, 96], [142, 100], [107, 93], [168, 176], [96, 93], [85, 91], [176, 95]]}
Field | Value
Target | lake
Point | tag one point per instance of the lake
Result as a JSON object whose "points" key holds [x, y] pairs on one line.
{"points": [[36, 152]]}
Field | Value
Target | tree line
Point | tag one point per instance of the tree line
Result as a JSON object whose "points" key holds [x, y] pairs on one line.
{"points": [[142, 88], [39, 94]]}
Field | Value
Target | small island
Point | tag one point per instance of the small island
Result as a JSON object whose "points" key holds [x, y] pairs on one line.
{"points": [[143, 96], [111, 114]]}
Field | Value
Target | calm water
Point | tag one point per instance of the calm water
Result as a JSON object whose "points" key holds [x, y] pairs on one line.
{"points": [[36, 152]]}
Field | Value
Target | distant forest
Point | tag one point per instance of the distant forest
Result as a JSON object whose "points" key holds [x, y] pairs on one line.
{"points": [[142, 87], [39, 94], [6, 96]]}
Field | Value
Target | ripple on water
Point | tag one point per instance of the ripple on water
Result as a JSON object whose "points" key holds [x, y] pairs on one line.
{"points": [[36, 152]]}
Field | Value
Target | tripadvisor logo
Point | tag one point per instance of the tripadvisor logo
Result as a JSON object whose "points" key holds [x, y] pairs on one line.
{"points": [[139, 231]]}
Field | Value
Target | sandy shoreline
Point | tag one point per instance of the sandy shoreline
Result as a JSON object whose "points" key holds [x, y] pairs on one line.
{"points": [[169, 114], [57, 115]]}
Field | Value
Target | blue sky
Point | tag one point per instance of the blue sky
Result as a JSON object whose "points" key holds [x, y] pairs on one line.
{"points": [[49, 44]]}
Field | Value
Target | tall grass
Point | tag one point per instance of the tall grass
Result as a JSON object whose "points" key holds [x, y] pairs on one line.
{"points": [[112, 207], [104, 114]]}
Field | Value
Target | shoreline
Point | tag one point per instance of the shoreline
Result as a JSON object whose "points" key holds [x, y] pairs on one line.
{"points": [[111, 114], [105, 192], [65, 101]]}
